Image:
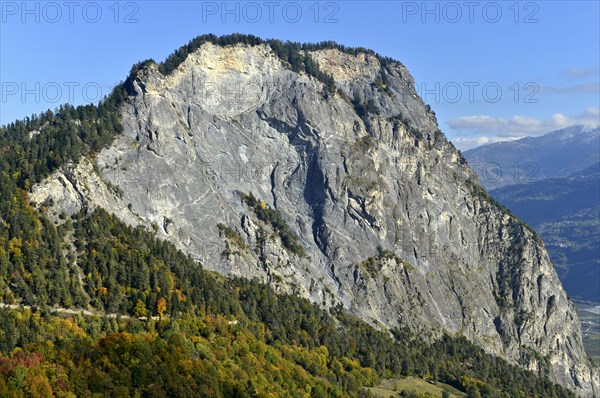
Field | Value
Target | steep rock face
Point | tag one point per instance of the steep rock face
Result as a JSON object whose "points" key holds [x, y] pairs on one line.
{"points": [[391, 225]]}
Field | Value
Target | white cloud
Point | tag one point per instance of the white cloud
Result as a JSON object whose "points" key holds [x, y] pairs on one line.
{"points": [[465, 143], [574, 89], [477, 130], [582, 72]]}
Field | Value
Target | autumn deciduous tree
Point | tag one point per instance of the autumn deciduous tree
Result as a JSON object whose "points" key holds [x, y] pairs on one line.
{"points": [[161, 307], [140, 309]]}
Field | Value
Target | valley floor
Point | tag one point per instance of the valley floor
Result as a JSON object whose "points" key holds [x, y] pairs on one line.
{"points": [[590, 327]]}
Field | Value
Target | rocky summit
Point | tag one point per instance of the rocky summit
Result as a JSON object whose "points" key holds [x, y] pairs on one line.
{"points": [[347, 194]]}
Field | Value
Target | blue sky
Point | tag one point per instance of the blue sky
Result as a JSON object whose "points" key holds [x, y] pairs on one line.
{"points": [[491, 70]]}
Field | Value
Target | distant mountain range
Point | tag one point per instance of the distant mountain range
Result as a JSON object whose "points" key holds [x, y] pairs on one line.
{"points": [[552, 182], [557, 154]]}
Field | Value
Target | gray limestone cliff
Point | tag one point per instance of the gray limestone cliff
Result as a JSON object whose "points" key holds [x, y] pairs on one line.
{"points": [[391, 221]]}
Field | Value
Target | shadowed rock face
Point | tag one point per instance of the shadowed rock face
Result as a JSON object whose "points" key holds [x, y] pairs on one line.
{"points": [[391, 225]]}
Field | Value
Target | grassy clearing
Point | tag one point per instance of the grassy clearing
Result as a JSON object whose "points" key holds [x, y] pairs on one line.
{"points": [[392, 388]]}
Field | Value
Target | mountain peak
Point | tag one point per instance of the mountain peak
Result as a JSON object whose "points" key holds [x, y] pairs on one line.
{"points": [[580, 131], [358, 199]]}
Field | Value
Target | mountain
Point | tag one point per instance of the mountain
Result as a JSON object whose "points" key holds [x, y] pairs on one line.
{"points": [[566, 213], [556, 154], [315, 169]]}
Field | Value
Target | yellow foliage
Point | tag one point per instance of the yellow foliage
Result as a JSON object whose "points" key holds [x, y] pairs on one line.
{"points": [[38, 226], [180, 296], [140, 309], [467, 381], [161, 307], [72, 326], [14, 247]]}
